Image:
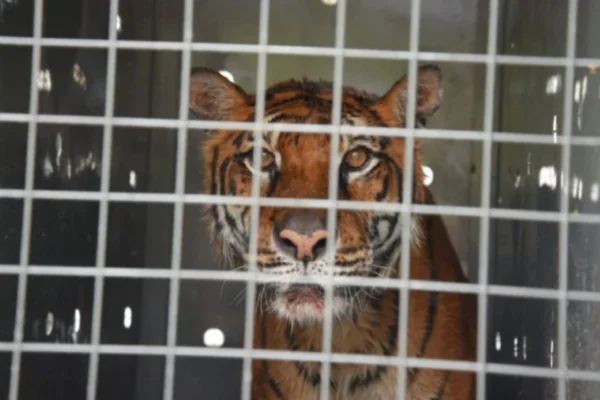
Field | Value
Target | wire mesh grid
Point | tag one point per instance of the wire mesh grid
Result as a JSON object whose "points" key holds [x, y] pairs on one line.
{"points": [[174, 272]]}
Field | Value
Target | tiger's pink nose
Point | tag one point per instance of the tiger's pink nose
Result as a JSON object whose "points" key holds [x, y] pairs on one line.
{"points": [[304, 247]]}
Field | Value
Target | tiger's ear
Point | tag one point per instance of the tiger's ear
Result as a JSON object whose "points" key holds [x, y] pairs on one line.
{"points": [[214, 97], [429, 94]]}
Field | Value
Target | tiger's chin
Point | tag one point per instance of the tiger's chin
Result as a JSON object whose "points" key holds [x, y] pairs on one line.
{"points": [[305, 304]]}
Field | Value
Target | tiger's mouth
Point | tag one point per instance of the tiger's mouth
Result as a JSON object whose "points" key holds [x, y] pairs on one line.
{"points": [[301, 297], [305, 303]]}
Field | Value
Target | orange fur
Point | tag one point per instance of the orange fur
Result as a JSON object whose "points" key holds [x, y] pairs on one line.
{"points": [[441, 325]]}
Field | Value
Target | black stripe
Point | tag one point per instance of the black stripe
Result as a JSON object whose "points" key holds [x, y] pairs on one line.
{"points": [[238, 140], [372, 376], [375, 374], [245, 212], [393, 333], [272, 383], [213, 189], [399, 174], [314, 378], [266, 251], [272, 264], [439, 395], [232, 187], [213, 171], [385, 189], [384, 142], [384, 258], [273, 176], [223, 174], [433, 297]]}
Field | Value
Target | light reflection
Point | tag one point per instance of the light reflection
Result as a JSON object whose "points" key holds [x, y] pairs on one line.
{"points": [[132, 179], [516, 347], [555, 128], [427, 175], [524, 347], [49, 323], [79, 76], [547, 177], [127, 317], [577, 189], [44, 81], [47, 167], [553, 84], [119, 24], [227, 75], [577, 92], [77, 321], [594, 192], [59, 148], [214, 337], [498, 341]]}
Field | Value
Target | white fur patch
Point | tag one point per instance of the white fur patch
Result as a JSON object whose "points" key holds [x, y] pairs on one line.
{"points": [[308, 312]]}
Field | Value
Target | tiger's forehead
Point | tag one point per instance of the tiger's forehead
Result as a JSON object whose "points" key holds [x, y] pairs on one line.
{"points": [[274, 138], [310, 102]]}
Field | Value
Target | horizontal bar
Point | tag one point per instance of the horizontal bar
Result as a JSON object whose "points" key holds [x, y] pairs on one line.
{"points": [[444, 134], [243, 276], [188, 351], [300, 50], [419, 209]]}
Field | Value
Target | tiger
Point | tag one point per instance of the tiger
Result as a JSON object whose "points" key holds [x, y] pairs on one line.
{"points": [[292, 241]]}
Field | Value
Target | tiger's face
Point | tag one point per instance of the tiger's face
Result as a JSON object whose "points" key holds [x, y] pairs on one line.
{"points": [[292, 242]]}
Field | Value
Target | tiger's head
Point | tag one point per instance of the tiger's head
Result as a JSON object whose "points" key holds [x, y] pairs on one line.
{"points": [[292, 242]]}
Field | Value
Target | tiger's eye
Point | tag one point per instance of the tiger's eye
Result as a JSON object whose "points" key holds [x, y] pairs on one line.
{"points": [[267, 159], [357, 158]]}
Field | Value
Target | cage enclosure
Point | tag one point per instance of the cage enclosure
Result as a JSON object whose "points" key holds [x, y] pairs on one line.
{"points": [[110, 285]]}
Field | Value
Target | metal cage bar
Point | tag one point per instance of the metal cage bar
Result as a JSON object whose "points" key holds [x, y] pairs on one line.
{"points": [[261, 84], [487, 136], [182, 137], [28, 205], [484, 235], [563, 244], [107, 136]]}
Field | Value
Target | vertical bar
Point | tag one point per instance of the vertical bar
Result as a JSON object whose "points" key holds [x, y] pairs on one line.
{"points": [[36, 53], [261, 85], [407, 191], [563, 239], [336, 118], [104, 203], [179, 207], [486, 174]]}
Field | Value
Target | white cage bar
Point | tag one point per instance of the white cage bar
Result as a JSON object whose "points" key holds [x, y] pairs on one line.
{"points": [[179, 199]]}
